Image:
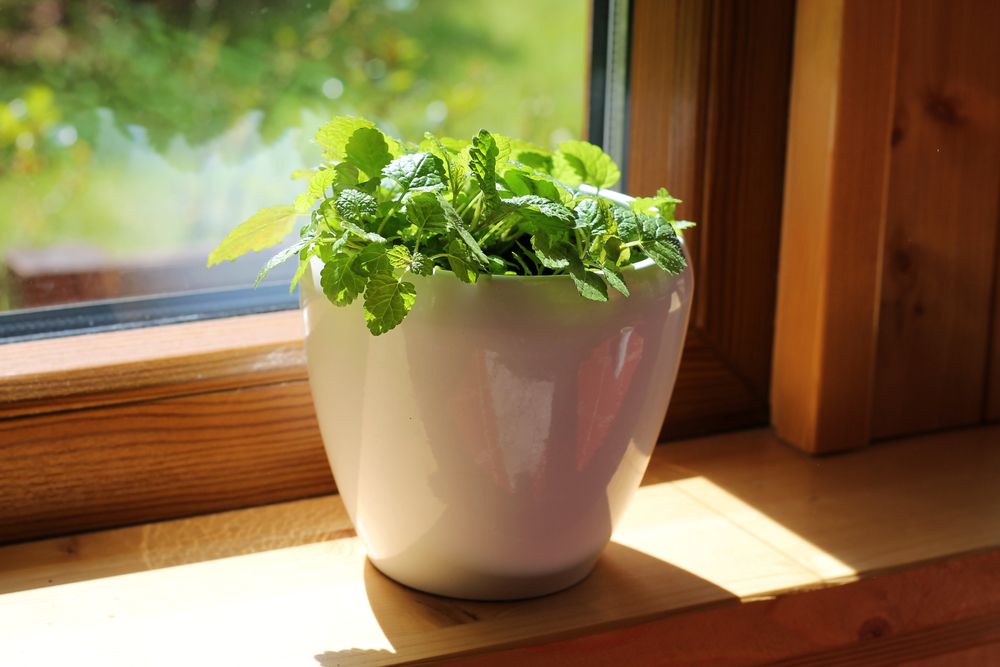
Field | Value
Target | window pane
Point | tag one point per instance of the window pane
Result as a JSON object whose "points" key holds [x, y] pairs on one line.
{"points": [[134, 135]]}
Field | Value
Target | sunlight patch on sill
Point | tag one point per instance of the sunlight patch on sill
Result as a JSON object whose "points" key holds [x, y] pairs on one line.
{"points": [[665, 518]]}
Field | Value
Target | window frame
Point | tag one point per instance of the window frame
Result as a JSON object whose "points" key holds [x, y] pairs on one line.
{"points": [[245, 377]]}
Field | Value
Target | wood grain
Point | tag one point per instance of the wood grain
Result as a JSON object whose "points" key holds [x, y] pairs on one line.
{"points": [[834, 210], [940, 245], [736, 549], [927, 613], [129, 366], [709, 93], [88, 469]]}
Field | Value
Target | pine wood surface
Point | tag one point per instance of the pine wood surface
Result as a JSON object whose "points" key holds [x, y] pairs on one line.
{"points": [[836, 176], [720, 523], [941, 223]]}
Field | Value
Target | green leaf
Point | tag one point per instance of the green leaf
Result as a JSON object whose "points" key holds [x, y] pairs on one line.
{"points": [[543, 214], [420, 265], [355, 205], [340, 279], [627, 222], [456, 223], [388, 299], [483, 164], [655, 228], [368, 151], [301, 271], [615, 278], [334, 135], [417, 171], [261, 230], [594, 216], [371, 260], [588, 284], [358, 231], [318, 183], [551, 253], [460, 261], [520, 184], [281, 257], [456, 173], [681, 225], [667, 255], [424, 211], [399, 257], [579, 162], [539, 161]]}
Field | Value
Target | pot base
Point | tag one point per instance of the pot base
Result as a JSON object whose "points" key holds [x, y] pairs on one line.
{"points": [[466, 585]]}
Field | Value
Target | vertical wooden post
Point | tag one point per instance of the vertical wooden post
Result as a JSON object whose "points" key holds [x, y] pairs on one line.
{"points": [[836, 179]]}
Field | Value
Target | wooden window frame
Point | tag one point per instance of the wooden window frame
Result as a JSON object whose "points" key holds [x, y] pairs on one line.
{"points": [[124, 427]]}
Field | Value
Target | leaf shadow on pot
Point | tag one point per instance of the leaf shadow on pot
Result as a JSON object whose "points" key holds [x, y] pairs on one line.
{"points": [[625, 583]]}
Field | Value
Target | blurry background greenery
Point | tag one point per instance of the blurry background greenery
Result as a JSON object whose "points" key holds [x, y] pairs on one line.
{"points": [[150, 126]]}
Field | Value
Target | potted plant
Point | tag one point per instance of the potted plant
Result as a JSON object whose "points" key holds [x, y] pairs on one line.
{"points": [[494, 416]]}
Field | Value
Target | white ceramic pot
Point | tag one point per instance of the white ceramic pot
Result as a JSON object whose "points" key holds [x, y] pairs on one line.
{"points": [[487, 446]]}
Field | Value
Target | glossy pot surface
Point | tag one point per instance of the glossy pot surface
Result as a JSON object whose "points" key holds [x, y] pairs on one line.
{"points": [[487, 446]]}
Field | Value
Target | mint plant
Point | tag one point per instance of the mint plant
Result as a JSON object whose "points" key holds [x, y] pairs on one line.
{"points": [[380, 209]]}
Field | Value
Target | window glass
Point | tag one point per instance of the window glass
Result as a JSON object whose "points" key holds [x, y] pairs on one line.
{"points": [[134, 135]]}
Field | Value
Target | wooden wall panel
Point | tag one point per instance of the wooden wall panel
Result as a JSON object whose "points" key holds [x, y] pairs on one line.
{"points": [[837, 168], [940, 245], [709, 95]]}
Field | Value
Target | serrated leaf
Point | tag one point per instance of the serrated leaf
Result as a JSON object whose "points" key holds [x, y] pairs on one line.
{"points": [[543, 214], [318, 183], [594, 216], [579, 162], [424, 212], [627, 222], [363, 233], [456, 224], [300, 271], [420, 265], [263, 229], [588, 284], [551, 253], [539, 161], [355, 205], [335, 134], [399, 256], [281, 257], [655, 228], [459, 261], [521, 184], [456, 173], [667, 255], [417, 171], [615, 277], [681, 225], [368, 151], [372, 259], [340, 279], [483, 165], [387, 302]]}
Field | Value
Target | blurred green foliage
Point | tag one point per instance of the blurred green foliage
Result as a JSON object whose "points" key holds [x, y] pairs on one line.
{"points": [[156, 125]]}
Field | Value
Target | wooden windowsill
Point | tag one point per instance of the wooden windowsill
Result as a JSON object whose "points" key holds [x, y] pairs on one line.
{"points": [[736, 547]]}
